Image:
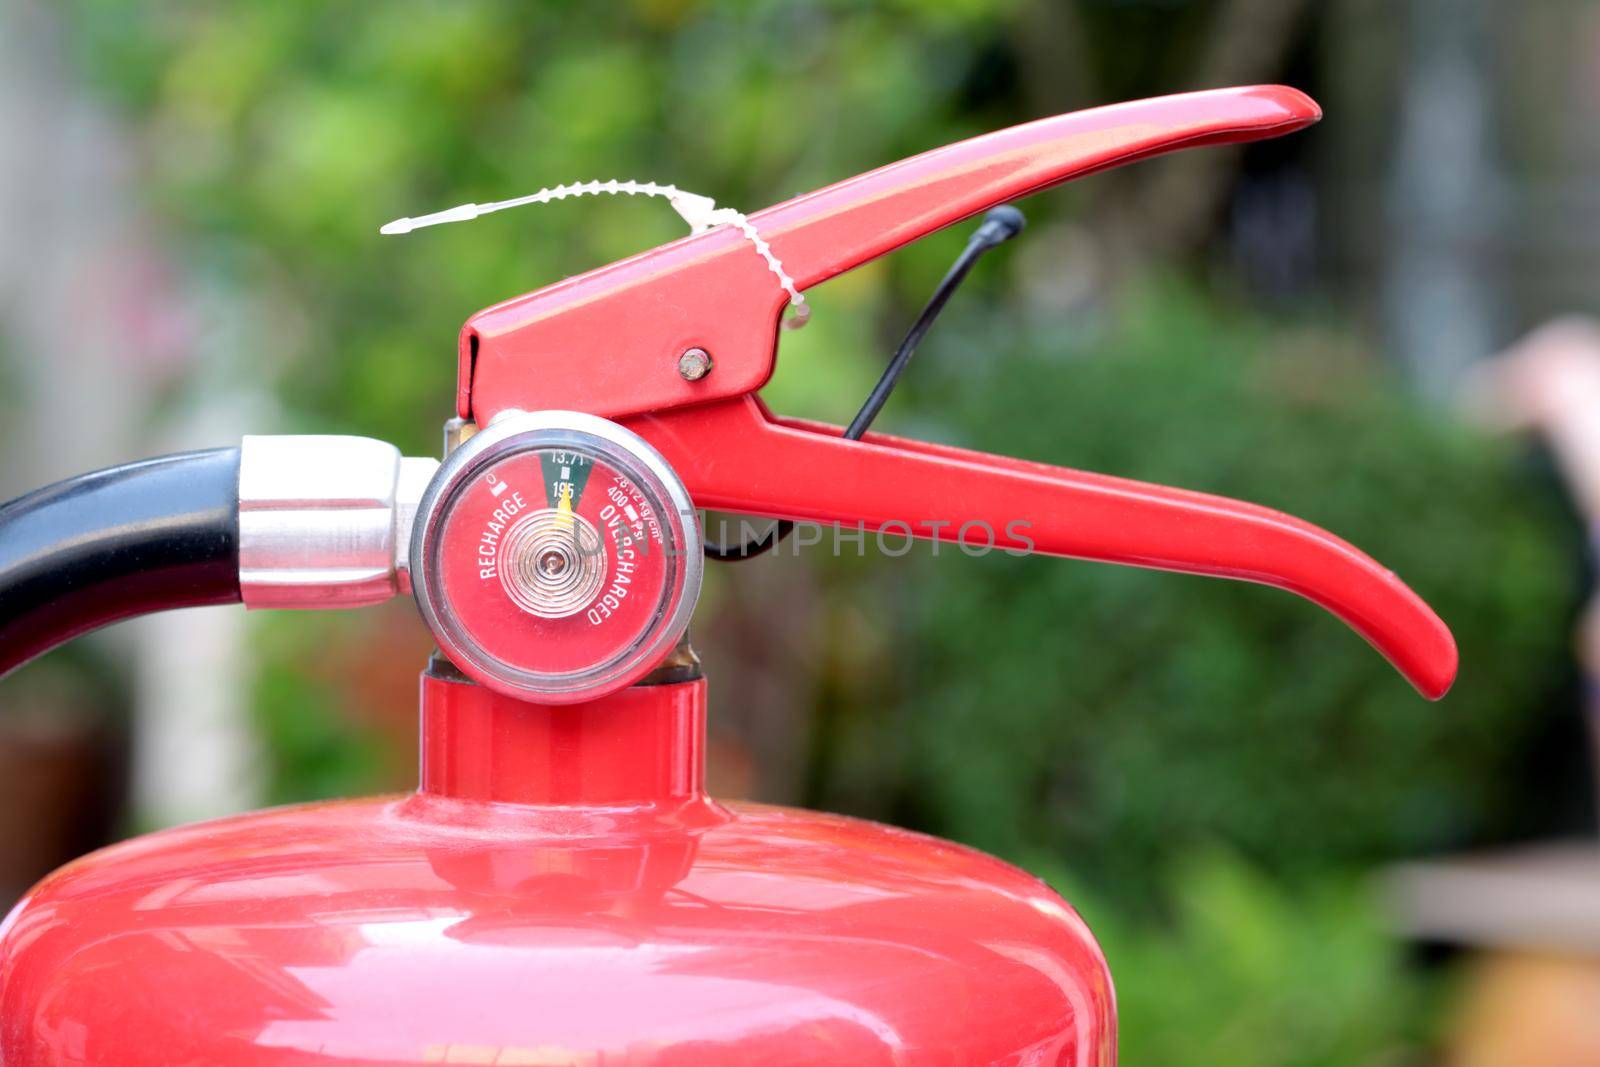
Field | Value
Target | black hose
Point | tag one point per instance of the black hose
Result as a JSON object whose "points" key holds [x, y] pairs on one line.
{"points": [[148, 536]]}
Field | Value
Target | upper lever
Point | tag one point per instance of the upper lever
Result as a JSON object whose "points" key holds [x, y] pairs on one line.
{"points": [[608, 341], [833, 230]]}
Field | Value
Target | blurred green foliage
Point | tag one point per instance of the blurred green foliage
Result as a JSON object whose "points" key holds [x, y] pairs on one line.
{"points": [[1112, 715], [1097, 724], [306, 699], [1249, 972], [280, 136]]}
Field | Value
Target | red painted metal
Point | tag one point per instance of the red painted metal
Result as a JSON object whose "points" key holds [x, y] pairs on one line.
{"points": [[639, 753], [736, 456], [561, 891], [626, 324]]}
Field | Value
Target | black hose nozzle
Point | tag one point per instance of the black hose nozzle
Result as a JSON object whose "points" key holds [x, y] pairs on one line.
{"points": [[148, 536]]}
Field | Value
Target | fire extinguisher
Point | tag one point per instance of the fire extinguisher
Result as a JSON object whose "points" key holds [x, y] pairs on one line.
{"points": [[560, 889]]}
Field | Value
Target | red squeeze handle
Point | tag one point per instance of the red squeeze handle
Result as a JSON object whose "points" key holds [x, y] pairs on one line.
{"points": [[735, 456], [832, 230], [625, 324]]}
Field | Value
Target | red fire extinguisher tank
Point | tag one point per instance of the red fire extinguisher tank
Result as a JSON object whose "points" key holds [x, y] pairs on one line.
{"points": [[560, 890]]}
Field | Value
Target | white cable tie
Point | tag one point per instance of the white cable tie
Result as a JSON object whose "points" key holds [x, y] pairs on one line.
{"points": [[700, 212]]}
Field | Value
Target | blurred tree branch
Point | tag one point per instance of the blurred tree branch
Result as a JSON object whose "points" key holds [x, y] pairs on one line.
{"points": [[1166, 209], [1053, 58], [1248, 43]]}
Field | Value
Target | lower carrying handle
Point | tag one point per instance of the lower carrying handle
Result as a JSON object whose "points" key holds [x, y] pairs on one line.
{"points": [[737, 456], [125, 541]]}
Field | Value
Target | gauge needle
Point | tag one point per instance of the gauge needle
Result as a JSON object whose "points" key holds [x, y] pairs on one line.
{"points": [[564, 509]]}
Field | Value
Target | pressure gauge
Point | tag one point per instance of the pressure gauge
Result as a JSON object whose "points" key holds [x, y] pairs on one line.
{"points": [[555, 556]]}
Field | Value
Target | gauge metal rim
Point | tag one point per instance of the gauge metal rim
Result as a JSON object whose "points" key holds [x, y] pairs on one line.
{"points": [[506, 435]]}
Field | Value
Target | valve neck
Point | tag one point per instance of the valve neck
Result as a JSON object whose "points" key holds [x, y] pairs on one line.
{"points": [[641, 747]]}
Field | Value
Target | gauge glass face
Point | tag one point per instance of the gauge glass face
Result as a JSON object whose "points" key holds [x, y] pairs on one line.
{"points": [[557, 564]]}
